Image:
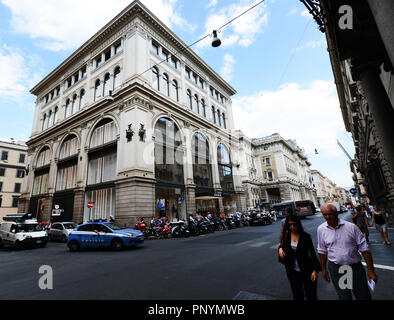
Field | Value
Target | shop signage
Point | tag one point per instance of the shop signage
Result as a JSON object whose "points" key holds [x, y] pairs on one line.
{"points": [[57, 212]]}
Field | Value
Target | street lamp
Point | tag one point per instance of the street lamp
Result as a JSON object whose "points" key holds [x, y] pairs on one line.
{"points": [[216, 41]]}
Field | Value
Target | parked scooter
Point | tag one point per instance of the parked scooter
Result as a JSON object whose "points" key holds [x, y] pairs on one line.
{"points": [[179, 229]]}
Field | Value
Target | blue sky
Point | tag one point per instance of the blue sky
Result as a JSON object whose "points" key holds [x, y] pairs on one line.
{"points": [[274, 56]]}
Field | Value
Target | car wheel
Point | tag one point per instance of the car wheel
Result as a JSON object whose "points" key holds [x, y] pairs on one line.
{"points": [[117, 244], [73, 246], [18, 245]]}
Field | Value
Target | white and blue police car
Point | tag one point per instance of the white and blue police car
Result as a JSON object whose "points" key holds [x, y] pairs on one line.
{"points": [[103, 234]]}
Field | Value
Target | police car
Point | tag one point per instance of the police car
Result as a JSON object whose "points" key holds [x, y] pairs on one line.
{"points": [[21, 230], [103, 234]]}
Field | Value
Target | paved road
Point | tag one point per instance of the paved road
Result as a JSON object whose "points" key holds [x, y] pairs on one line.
{"points": [[236, 264]]}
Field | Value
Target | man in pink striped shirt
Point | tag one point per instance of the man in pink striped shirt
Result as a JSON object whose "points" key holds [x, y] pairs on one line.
{"points": [[340, 242]]}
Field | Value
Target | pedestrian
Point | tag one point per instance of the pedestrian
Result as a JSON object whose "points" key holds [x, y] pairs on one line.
{"points": [[340, 242], [380, 224], [359, 217], [301, 262], [288, 212]]}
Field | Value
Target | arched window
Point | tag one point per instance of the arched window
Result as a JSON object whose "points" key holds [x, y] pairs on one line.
{"points": [[213, 114], [96, 89], [203, 108], [41, 173], [176, 89], [225, 168], [44, 121], [55, 115], [69, 147], [105, 133], [196, 104], [50, 118], [166, 84], [67, 165], [117, 77], [44, 158], [102, 170], [81, 99], [155, 78], [107, 78], [224, 121], [68, 108], [189, 99], [202, 170], [74, 104], [168, 152]]}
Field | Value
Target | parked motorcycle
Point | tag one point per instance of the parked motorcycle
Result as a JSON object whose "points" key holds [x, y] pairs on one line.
{"points": [[179, 229]]}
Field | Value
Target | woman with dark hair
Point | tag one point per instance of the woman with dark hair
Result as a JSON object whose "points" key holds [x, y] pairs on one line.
{"points": [[380, 224], [301, 261]]}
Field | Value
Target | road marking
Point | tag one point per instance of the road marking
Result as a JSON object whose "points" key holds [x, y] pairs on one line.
{"points": [[259, 244], [245, 242], [245, 295], [379, 266]]}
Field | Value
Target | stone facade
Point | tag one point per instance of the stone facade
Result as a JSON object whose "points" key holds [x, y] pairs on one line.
{"points": [[104, 115], [362, 62], [13, 159], [274, 170]]}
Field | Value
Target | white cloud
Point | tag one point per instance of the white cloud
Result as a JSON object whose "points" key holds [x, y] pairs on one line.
{"points": [[64, 25], [227, 69], [306, 14], [312, 44], [212, 3], [16, 78], [242, 31], [291, 12], [310, 114]]}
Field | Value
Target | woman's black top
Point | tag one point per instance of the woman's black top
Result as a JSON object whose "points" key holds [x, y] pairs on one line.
{"points": [[305, 254], [379, 218]]}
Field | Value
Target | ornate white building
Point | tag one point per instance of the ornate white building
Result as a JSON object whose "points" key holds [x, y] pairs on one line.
{"points": [[274, 170], [136, 123]]}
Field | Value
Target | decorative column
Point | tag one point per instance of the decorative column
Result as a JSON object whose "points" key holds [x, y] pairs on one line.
{"points": [[381, 110], [383, 13]]}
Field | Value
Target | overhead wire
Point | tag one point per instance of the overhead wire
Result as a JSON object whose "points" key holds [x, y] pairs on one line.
{"points": [[201, 39]]}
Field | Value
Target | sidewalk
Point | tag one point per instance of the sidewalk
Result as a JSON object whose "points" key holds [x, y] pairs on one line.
{"points": [[382, 255]]}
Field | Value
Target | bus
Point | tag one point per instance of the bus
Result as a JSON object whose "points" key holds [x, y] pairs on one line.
{"points": [[301, 208]]}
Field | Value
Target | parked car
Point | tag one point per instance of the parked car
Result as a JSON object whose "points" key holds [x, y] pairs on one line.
{"points": [[22, 231], [259, 218], [60, 231], [103, 234]]}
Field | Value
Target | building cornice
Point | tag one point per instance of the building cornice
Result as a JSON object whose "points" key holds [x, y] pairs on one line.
{"points": [[133, 10]]}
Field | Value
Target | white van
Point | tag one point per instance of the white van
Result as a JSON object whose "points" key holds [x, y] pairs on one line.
{"points": [[20, 230]]}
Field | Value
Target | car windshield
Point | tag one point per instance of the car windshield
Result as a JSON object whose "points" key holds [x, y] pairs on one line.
{"points": [[69, 225], [113, 226], [31, 227]]}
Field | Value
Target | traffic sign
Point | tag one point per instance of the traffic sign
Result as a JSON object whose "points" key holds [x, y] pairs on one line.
{"points": [[353, 191], [90, 205]]}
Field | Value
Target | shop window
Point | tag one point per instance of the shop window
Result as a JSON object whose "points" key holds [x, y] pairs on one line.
{"points": [[104, 204], [225, 168], [168, 152], [202, 171]]}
